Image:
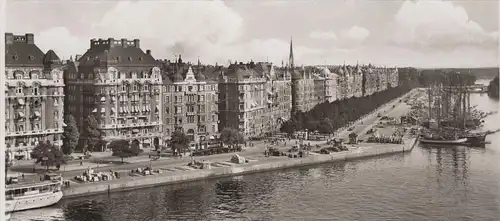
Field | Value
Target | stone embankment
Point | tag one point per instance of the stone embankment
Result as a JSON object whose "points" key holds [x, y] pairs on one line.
{"points": [[266, 164]]}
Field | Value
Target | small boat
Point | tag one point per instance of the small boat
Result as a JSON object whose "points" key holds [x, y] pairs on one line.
{"points": [[25, 196], [448, 142]]}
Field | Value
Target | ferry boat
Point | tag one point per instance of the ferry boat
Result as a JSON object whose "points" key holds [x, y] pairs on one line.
{"points": [[25, 196]]}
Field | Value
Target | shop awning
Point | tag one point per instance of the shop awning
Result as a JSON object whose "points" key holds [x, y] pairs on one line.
{"points": [[157, 108], [64, 125], [113, 98], [147, 108], [20, 101], [36, 113], [121, 109], [95, 110], [113, 110], [147, 141], [21, 114], [135, 130], [103, 110], [143, 108], [103, 99]]}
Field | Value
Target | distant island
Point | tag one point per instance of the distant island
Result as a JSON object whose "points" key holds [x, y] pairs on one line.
{"points": [[480, 73], [493, 88]]}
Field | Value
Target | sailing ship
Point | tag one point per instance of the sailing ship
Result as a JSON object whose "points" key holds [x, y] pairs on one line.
{"points": [[451, 117], [32, 195]]}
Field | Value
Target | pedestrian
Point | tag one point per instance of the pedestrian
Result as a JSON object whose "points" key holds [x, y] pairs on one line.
{"points": [[81, 163], [23, 176]]}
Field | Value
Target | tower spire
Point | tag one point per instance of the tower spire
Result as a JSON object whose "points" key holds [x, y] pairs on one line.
{"points": [[290, 59]]}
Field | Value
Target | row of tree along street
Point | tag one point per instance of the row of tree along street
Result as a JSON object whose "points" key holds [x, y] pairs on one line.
{"points": [[328, 117]]}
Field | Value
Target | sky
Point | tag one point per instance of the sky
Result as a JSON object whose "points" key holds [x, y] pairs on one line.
{"points": [[425, 34]]}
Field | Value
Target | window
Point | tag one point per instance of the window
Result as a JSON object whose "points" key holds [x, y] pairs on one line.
{"points": [[201, 87], [190, 108], [167, 99], [190, 119], [201, 108], [146, 87], [56, 103], [202, 98], [167, 110], [19, 90], [213, 128], [124, 88], [190, 88], [178, 110], [56, 115], [213, 118], [135, 87]]}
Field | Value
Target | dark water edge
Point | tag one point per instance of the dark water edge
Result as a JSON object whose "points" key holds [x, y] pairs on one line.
{"points": [[454, 183]]}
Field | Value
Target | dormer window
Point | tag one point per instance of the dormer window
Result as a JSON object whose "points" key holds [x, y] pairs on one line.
{"points": [[118, 59], [140, 58], [31, 57], [15, 57], [130, 58]]}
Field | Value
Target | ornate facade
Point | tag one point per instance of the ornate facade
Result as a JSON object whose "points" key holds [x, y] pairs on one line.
{"points": [[189, 102], [120, 85], [33, 96], [255, 98]]}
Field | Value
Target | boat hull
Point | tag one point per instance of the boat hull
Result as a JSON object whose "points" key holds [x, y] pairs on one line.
{"points": [[451, 142], [33, 202]]}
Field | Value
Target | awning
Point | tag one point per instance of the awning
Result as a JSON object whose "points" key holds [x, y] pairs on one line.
{"points": [[121, 109], [135, 130], [147, 141], [103, 99], [212, 137], [136, 109], [36, 113], [147, 108], [95, 110], [113, 98], [20, 101], [113, 110], [103, 110], [143, 108], [125, 109], [157, 108], [269, 102], [269, 92], [64, 125], [21, 114]]}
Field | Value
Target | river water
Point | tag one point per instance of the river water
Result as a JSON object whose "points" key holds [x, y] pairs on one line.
{"points": [[453, 183]]}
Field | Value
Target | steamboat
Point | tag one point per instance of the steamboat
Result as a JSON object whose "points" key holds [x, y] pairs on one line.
{"points": [[33, 195]]}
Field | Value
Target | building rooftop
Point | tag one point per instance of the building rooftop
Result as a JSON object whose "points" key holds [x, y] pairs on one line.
{"points": [[20, 50], [117, 53]]}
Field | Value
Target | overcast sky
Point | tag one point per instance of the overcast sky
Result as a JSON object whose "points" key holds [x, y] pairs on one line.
{"points": [[390, 32]]}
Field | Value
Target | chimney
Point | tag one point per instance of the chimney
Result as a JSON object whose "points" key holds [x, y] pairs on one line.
{"points": [[111, 42], [77, 57], [124, 42], [137, 43], [9, 38], [148, 51], [30, 38], [92, 42]]}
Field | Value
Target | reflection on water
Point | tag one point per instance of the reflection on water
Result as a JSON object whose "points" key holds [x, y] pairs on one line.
{"points": [[447, 183]]}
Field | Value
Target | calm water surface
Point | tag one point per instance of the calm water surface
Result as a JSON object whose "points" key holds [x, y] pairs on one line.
{"points": [[454, 183]]}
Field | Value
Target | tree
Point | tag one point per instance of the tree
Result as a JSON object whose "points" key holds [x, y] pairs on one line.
{"points": [[231, 136], [493, 88], [288, 127], [90, 134], [121, 148], [352, 138], [48, 155], [325, 126], [70, 135], [179, 141]]}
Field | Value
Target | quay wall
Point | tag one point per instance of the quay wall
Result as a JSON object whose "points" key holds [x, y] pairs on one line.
{"points": [[165, 178]]}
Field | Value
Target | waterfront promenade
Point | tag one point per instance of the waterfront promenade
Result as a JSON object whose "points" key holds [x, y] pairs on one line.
{"points": [[175, 169]]}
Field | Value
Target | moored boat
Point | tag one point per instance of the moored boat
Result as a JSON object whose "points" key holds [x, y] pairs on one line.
{"points": [[25, 196], [448, 142]]}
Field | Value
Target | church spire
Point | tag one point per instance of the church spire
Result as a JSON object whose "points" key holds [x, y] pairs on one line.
{"points": [[290, 59]]}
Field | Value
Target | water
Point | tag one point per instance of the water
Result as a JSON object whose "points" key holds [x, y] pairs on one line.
{"points": [[455, 183]]}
